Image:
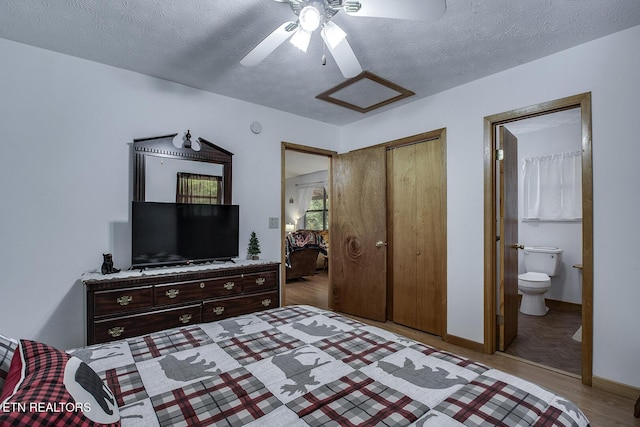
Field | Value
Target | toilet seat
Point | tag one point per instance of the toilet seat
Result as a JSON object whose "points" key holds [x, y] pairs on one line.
{"points": [[532, 276], [532, 279]]}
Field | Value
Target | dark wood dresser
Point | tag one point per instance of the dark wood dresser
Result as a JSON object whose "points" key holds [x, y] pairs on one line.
{"points": [[134, 303]]}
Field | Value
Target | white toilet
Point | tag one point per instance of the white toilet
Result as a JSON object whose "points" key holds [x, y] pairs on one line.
{"points": [[541, 263]]}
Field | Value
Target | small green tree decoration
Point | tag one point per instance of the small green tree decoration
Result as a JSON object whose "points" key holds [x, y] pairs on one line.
{"points": [[254, 246]]}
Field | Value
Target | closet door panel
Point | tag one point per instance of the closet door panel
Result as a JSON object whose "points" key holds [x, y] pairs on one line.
{"points": [[417, 180], [404, 228], [432, 244]]}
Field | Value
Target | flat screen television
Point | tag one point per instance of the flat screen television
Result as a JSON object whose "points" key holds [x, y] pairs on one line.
{"points": [[179, 233]]}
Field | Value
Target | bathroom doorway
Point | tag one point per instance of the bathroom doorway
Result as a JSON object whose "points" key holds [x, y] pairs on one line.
{"points": [[549, 215], [551, 125]]}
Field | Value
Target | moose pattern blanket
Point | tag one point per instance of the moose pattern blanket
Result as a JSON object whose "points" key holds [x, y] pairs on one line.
{"points": [[302, 366]]}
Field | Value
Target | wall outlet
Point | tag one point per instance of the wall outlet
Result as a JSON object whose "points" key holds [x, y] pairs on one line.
{"points": [[274, 222]]}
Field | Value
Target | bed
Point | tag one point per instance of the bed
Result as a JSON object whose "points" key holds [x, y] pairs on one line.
{"points": [[302, 366]]}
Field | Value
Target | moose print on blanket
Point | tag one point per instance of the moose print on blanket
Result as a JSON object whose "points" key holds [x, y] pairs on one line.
{"points": [[296, 371], [233, 327]]}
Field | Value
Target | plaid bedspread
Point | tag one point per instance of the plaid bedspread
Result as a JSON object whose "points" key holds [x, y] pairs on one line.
{"points": [[302, 366]]}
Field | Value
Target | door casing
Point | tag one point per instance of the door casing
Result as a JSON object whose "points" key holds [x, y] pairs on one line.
{"points": [[582, 101]]}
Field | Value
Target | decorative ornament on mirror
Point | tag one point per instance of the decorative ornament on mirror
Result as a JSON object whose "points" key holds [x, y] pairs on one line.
{"points": [[187, 140]]}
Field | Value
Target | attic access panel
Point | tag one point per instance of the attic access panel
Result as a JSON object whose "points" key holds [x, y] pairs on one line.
{"points": [[365, 92]]}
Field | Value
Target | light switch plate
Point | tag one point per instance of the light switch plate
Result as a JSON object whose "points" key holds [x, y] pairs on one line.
{"points": [[274, 222]]}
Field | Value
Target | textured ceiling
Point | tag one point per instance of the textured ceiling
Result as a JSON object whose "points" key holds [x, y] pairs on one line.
{"points": [[199, 43], [298, 163], [545, 122]]}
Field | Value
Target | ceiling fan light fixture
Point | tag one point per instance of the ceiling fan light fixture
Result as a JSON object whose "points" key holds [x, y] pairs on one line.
{"points": [[301, 39], [310, 18]]}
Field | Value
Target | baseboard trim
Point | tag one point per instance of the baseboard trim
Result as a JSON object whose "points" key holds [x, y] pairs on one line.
{"points": [[463, 342], [615, 387], [563, 304]]}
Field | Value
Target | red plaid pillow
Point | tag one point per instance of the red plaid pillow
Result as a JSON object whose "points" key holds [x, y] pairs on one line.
{"points": [[46, 386]]}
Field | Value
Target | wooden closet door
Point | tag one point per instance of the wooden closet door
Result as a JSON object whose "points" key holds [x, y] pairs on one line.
{"points": [[417, 181], [403, 226]]}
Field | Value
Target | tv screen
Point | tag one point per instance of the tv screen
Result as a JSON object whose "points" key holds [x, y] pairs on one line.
{"points": [[180, 233]]}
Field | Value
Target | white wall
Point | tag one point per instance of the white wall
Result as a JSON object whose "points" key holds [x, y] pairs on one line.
{"points": [[566, 285], [607, 67], [67, 125]]}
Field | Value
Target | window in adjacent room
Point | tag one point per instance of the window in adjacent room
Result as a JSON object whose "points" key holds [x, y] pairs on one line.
{"points": [[317, 216], [199, 189]]}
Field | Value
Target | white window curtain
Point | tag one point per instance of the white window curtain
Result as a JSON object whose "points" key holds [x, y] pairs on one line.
{"points": [[553, 187], [305, 194]]}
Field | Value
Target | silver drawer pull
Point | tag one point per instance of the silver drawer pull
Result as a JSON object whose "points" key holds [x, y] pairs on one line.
{"points": [[172, 293], [185, 318], [201, 285], [218, 310], [266, 302], [116, 331], [124, 300], [229, 285], [260, 281]]}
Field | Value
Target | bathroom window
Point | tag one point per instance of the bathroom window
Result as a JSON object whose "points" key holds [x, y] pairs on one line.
{"points": [[553, 187]]}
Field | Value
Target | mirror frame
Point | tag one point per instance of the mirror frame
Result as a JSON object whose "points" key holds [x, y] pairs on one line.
{"points": [[162, 146]]}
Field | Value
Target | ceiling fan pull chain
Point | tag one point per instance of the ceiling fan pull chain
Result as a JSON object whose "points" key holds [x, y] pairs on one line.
{"points": [[324, 54]]}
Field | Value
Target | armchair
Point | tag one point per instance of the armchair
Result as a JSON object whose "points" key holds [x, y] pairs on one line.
{"points": [[302, 250]]}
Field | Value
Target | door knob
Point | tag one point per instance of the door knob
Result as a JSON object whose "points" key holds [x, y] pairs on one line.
{"points": [[380, 244], [517, 246]]}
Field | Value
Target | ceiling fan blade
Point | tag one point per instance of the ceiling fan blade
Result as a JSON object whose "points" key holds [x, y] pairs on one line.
{"points": [[417, 10], [332, 33], [301, 39], [344, 57], [269, 44]]}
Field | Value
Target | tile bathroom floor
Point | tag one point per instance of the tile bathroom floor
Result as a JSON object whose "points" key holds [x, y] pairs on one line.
{"points": [[548, 339]]}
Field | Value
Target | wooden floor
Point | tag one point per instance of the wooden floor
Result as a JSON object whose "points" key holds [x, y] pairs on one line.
{"points": [[602, 408]]}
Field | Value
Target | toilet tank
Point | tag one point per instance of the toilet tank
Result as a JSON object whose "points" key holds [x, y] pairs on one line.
{"points": [[542, 259]]}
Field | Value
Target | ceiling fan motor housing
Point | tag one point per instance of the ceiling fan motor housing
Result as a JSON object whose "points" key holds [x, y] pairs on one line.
{"points": [[326, 9]]}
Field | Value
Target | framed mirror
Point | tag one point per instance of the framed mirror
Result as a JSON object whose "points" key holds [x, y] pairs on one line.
{"points": [[157, 162]]}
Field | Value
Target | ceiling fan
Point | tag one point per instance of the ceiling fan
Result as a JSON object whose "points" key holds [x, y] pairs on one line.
{"points": [[317, 14]]}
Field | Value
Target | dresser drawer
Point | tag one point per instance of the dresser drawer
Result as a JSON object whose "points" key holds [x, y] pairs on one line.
{"points": [[228, 307], [255, 282], [176, 293], [140, 324], [122, 300]]}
